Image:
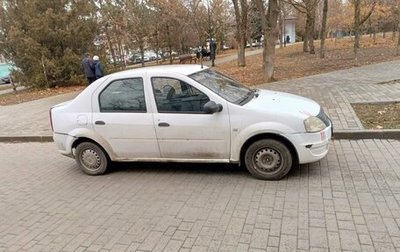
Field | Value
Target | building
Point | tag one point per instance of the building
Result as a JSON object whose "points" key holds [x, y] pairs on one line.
{"points": [[289, 29]]}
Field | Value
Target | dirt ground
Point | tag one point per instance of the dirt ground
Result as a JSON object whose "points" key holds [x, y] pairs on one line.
{"points": [[379, 116]]}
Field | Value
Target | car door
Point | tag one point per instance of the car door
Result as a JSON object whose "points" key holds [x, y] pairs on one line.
{"points": [[123, 118], [183, 130]]}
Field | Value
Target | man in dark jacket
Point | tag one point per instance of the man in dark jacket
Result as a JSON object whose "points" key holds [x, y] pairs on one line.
{"points": [[88, 68]]}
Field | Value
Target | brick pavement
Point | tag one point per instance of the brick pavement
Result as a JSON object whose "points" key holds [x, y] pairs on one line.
{"points": [[29, 118], [349, 201]]}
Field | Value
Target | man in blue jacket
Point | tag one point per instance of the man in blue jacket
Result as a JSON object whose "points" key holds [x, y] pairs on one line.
{"points": [[88, 68]]}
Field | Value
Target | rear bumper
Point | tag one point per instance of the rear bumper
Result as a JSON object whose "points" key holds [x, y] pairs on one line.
{"points": [[311, 147], [64, 143]]}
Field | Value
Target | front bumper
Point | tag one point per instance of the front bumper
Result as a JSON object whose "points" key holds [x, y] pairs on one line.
{"points": [[311, 147]]}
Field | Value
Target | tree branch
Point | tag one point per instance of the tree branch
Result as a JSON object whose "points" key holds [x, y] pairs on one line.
{"points": [[369, 13]]}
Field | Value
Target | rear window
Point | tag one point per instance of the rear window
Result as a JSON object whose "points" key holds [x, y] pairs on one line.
{"points": [[125, 95]]}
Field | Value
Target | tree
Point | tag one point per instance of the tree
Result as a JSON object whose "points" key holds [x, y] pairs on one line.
{"points": [[112, 27], [323, 29], [358, 22], [269, 20], [46, 39], [241, 11], [139, 16], [307, 7], [254, 19]]}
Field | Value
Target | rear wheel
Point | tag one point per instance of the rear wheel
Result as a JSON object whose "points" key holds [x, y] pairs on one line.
{"points": [[91, 158], [268, 159]]}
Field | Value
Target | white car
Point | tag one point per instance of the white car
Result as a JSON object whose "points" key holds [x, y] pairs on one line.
{"points": [[185, 113]]}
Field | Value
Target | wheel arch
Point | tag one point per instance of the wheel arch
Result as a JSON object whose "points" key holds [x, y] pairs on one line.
{"points": [[274, 136], [80, 140]]}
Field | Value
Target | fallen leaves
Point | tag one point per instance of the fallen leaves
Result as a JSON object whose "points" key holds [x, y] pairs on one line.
{"points": [[291, 62]]}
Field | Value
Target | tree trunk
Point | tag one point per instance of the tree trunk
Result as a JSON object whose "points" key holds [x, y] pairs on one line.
{"points": [[312, 31], [323, 29], [282, 42], [306, 35], [142, 53], [268, 24], [110, 45], [241, 28], [171, 60], [358, 22], [357, 16]]}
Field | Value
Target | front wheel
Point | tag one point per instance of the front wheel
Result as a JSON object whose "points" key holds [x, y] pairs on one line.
{"points": [[268, 159], [91, 158]]}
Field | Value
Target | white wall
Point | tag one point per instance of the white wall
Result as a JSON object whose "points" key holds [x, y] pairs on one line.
{"points": [[290, 29]]}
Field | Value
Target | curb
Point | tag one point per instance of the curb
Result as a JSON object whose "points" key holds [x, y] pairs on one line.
{"points": [[22, 139], [337, 135], [366, 134]]}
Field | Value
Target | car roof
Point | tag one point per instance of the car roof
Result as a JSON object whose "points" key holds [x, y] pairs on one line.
{"points": [[180, 69]]}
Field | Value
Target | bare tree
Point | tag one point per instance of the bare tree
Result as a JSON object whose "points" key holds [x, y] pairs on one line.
{"points": [[241, 29], [308, 7], [323, 29], [358, 22], [269, 20]]}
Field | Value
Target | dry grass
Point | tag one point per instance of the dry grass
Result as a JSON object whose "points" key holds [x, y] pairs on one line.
{"points": [[291, 62]]}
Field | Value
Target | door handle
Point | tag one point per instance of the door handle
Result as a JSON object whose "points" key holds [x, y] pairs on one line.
{"points": [[163, 124], [99, 123]]}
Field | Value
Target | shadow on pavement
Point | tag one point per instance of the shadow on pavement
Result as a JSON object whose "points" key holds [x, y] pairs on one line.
{"points": [[183, 168]]}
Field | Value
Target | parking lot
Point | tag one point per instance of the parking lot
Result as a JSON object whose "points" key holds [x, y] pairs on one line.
{"points": [[347, 201]]}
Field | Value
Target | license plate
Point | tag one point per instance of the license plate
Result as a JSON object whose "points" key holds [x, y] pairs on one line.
{"points": [[323, 135]]}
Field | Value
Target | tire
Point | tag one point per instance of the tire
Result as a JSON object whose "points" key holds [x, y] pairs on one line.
{"points": [[91, 158], [268, 159]]}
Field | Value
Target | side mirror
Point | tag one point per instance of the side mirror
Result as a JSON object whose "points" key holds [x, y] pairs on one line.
{"points": [[211, 107]]}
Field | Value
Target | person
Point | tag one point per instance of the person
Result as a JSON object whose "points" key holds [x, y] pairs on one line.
{"points": [[98, 67], [287, 39], [88, 68]]}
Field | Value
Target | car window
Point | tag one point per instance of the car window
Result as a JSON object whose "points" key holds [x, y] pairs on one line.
{"points": [[126, 95], [176, 96], [224, 86]]}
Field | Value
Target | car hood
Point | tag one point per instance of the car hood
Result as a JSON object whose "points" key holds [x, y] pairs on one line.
{"points": [[280, 103]]}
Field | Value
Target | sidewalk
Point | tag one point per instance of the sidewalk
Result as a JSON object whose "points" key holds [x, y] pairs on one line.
{"points": [[334, 91]]}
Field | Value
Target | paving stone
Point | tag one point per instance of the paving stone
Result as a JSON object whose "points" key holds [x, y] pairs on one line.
{"points": [[47, 204]]}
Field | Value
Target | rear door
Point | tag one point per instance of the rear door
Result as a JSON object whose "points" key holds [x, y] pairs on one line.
{"points": [[122, 116]]}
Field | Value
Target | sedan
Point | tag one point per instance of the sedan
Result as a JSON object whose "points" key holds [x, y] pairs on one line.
{"points": [[186, 113]]}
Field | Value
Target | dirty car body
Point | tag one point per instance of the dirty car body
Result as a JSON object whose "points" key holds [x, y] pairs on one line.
{"points": [[189, 114]]}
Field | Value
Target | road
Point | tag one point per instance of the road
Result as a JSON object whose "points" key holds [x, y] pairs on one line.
{"points": [[349, 201]]}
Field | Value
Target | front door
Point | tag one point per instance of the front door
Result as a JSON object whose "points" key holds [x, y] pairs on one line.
{"points": [[183, 130], [123, 120]]}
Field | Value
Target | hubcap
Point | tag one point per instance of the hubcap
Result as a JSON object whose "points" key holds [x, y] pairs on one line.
{"points": [[268, 160], [90, 159]]}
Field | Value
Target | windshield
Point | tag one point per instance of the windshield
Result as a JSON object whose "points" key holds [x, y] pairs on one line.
{"points": [[225, 87]]}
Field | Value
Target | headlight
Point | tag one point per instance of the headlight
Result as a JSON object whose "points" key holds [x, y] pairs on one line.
{"points": [[314, 124]]}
